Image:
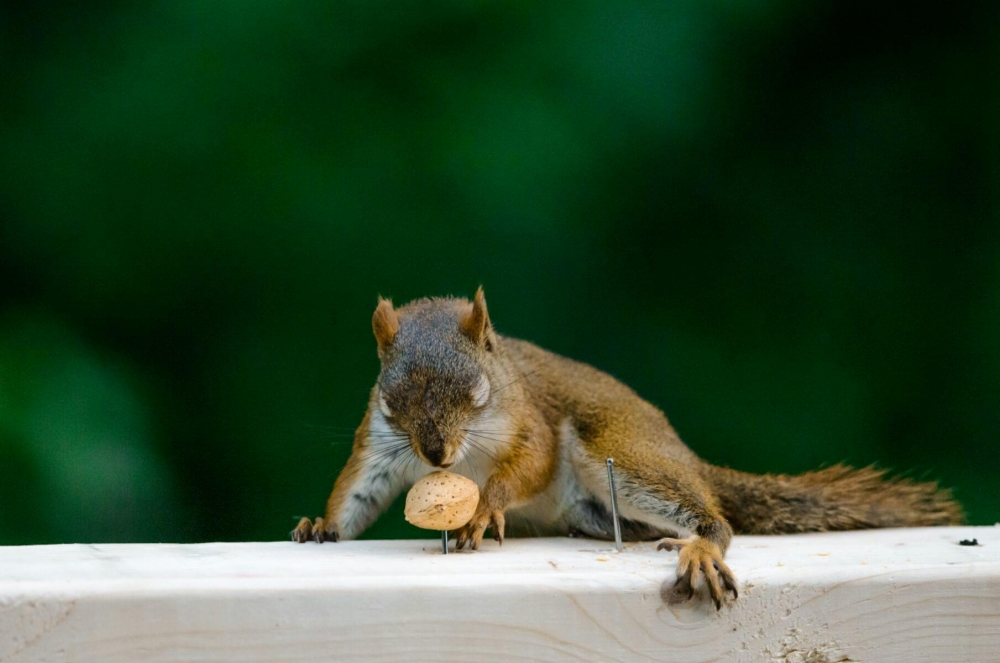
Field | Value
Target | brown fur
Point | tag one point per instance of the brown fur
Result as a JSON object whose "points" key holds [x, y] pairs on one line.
{"points": [[548, 424], [835, 498], [385, 324], [475, 322]]}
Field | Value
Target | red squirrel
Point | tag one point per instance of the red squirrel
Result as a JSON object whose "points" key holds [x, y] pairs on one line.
{"points": [[534, 430]]}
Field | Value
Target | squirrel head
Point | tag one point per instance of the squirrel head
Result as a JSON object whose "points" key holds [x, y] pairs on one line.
{"points": [[440, 358]]}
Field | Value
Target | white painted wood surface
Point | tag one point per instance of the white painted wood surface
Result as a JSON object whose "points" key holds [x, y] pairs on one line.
{"points": [[891, 595]]}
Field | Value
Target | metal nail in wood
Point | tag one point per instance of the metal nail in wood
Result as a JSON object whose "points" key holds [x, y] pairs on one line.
{"points": [[614, 504]]}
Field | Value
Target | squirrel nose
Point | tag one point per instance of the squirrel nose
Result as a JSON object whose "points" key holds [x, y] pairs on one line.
{"points": [[434, 456]]}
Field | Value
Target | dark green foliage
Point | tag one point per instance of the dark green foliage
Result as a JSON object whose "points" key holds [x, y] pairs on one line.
{"points": [[777, 220]]}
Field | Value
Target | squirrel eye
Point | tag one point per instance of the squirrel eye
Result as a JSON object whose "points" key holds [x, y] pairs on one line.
{"points": [[481, 392], [382, 405]]}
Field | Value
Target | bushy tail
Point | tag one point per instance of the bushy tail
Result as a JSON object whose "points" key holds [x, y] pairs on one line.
{"points": [[835, 498]]}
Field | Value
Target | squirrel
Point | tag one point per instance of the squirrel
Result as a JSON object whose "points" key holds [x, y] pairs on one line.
{"points": [[534, 430]]}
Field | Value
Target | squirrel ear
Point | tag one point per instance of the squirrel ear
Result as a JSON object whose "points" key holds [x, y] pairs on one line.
{"points": [[385, 324], [476, 322]]}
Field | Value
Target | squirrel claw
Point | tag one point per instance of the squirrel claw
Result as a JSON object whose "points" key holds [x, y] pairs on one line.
{"points": [[679, 592], [318, 531], [669, 544], [473, 531], [302, 531], [497, 522]]}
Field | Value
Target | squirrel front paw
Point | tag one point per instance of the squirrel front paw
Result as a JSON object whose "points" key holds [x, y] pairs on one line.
{"points": [[318, 531], [699, 560], [472, 532]]}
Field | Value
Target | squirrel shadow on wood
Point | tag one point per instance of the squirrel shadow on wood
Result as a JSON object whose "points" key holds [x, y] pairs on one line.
{"points": [[533, 429]]}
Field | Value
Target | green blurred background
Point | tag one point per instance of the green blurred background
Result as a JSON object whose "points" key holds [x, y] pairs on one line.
{"points": [[777, 220]]}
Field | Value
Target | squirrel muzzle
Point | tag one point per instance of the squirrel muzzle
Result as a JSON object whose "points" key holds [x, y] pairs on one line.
{"points": [[433, 448]]}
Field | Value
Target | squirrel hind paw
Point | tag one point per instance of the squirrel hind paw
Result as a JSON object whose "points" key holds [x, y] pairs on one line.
{"points": [[699, 565]]}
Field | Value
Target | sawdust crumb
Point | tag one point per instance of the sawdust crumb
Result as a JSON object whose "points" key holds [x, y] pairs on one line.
{"points": [[792, 649]]}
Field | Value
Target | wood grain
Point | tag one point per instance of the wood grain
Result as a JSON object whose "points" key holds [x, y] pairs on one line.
{"points": [[890, 595]]}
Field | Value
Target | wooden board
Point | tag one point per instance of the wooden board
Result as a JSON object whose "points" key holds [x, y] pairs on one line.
{"points": [[890, 595]]}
